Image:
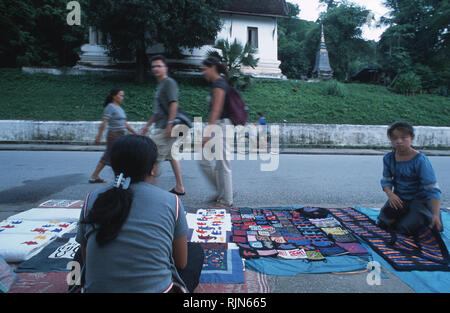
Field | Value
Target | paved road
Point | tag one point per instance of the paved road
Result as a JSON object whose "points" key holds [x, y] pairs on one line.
{"points": [[31, 177]]}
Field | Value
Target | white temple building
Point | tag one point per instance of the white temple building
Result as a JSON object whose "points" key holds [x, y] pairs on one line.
{"points": [[248, 21]]}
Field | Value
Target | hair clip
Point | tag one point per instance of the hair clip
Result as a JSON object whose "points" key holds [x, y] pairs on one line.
{"points": [[122, 182]]}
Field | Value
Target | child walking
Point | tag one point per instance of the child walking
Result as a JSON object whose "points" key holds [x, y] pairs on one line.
{"points": [[410, 184]]}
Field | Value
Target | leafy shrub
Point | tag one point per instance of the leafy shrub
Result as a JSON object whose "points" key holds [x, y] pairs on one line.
{"points": [[408, 84], [441, 91], [334, 88]]}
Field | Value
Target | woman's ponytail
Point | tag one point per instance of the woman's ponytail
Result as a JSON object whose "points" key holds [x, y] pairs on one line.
{"points": [[222, 68], [109, 213], [112, 93], [132, 159]]}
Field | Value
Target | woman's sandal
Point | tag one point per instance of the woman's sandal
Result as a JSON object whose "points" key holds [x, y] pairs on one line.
{"points": [[177, 193], [96, 181]]}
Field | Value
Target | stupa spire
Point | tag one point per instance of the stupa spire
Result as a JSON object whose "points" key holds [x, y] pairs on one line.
{"points": [[322, 69]]}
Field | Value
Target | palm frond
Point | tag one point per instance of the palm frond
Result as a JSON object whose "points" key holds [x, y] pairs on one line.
{"points": [[215, 54]]}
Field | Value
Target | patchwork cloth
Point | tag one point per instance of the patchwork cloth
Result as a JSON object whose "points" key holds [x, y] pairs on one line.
{"points": [[314, 212], [335, 231], [353, 248], [285, 234], [255, 282], [424, 252], [333, 250], [222, 266], [294, 254], [325, 222]]}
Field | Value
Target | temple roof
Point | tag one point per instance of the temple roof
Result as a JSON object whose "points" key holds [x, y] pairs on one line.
{"points": [[275, 8]]}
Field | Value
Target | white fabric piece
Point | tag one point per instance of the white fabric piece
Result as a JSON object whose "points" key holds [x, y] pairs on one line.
{"points": [[191, 220], [21, 247], [68, 204], [292, 254], [62, 215], [66, 251], [57, 228], [212, 224]]}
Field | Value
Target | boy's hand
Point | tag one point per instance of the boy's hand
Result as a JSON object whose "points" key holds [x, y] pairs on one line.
{"points": [[436, 222], [395, 201]]}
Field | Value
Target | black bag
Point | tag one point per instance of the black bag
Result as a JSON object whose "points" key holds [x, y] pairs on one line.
{"points": [[309, 212], [180, 117]]}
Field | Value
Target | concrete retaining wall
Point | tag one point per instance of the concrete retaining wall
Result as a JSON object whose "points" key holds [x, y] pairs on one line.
{"points": [[291, 135], [357, 135]]}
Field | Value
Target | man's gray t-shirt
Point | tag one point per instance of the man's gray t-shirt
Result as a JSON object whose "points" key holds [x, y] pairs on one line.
{"points": [[166, 93], [116, 117], [140, 258]]}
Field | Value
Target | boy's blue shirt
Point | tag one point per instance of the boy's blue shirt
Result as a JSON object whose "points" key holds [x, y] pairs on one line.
{"points": [[413, 179]]}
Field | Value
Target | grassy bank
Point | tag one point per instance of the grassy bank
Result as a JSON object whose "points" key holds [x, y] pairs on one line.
{"points": [[69, 98]]}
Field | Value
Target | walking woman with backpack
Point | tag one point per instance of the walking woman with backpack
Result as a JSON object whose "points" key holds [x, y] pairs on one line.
{"points": [[219, 174]]}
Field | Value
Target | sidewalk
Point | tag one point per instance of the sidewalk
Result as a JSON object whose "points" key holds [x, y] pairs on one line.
{"points": [[329, 151]]}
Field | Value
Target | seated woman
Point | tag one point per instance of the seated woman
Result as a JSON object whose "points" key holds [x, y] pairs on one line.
{"points": [[410, 184], [133, 234]]}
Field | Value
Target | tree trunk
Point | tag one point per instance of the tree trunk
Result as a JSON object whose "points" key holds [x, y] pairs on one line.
{"points": [[141, 64]]}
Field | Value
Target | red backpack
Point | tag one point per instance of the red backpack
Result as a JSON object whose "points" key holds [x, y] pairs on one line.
{"points": [[237, 106]]}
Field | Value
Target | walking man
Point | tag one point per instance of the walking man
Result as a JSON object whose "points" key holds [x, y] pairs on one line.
{"points": [[164, 110]]}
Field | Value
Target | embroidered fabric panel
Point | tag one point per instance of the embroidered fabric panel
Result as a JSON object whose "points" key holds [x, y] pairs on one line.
{"points": [[426, 251], [211, 227], [286, 234]]}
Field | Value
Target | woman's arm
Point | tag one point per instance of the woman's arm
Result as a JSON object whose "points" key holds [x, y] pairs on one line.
{"points": [[218, 101], [179, 246], [130, 128], [100, 130]]}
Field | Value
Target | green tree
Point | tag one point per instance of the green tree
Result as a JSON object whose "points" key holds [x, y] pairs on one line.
{"points": [[417, 41], [298, 41], [343, 33], [294, 53], [135, 25], [35, 32]]}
